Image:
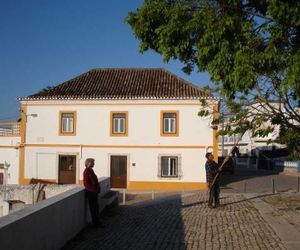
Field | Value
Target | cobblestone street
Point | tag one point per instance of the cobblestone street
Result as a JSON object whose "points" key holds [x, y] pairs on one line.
{"points": [[182, 223], [286, 205]]}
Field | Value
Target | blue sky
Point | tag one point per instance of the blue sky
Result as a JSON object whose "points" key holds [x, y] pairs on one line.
{"points": [[46, 42]]}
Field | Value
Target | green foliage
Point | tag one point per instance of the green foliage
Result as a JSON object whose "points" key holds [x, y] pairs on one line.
{"points": [[292, 140], [250, 48]]}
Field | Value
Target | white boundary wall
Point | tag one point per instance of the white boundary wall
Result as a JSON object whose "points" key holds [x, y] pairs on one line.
{"points": [[48, 224]]}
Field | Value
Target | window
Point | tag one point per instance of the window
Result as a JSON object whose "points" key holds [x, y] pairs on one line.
{"points": [[119, 123], [67, 123], [169, 166], [169, 123]]}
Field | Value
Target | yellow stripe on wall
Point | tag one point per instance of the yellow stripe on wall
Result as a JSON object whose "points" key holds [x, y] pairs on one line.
{"points": [[8, 147], [159, 185]]}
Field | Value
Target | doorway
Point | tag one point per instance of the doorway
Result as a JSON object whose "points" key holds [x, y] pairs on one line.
{"points": [[118, 171]]}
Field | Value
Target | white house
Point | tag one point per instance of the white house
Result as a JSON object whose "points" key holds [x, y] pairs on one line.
{"points": [[249, 144], [9, 152], [140, 125]]}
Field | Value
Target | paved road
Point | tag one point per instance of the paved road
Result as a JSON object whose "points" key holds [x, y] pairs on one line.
{"points": [[182, 223]]}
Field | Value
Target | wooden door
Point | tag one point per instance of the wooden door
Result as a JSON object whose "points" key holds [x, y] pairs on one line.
{"points": [[67, 169], [118, 171], [1, 178]]}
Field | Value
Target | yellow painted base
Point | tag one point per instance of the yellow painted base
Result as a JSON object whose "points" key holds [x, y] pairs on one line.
{"points": [[159, 185]]}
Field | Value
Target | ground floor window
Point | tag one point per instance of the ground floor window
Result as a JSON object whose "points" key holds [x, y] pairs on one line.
{"points": [[169, 166]]}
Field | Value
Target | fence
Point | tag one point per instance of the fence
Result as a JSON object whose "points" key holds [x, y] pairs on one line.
{"points": [[249, 162], [287, 165], [9, 129]]}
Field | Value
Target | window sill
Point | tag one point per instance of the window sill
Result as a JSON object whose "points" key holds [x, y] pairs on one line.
{"points": [[169, 135], [118, 135], [67, 134]]}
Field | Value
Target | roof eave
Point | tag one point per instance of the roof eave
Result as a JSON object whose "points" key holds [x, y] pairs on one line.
{"points": [[115, 98]]}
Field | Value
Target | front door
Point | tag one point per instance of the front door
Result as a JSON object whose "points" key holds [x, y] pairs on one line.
{"points": [[67, 169], [118, 171]]}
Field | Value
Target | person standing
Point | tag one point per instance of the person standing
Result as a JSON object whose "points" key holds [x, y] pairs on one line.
{"points": [[212, 169], [92, 189]]}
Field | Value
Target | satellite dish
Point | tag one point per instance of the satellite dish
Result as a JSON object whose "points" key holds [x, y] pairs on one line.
{"points": [[6, 164]]}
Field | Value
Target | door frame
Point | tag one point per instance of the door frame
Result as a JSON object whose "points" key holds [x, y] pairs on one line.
{"points": [[76, 154], [109, 155]]}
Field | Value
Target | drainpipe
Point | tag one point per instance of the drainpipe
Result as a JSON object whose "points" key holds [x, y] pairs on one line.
{"points": [[80, 156]]}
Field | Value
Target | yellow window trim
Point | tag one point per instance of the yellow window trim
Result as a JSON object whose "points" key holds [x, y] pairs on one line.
{"points": [[162, 112], [60, 132], [112, 113]]}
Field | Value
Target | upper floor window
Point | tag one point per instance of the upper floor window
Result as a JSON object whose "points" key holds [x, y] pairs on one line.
{"points": [[169, 123], [67, 123], [119, 123]]}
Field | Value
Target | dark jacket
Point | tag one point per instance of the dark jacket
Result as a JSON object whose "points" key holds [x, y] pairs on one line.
{"points": [[212, 169], [90, 181]]}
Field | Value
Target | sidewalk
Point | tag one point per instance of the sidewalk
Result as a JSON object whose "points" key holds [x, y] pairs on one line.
{"points": [[185, 222]]}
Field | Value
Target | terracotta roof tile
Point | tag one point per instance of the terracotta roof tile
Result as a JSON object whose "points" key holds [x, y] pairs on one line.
{"points": [[123, 83]]}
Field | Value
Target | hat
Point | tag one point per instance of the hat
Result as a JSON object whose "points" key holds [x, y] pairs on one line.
{"points": [[208, 154]]}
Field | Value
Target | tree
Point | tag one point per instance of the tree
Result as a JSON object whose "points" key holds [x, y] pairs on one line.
{"points": [[250, 48]]}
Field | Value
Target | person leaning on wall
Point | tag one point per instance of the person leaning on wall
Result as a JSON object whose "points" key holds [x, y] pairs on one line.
{"points": [[92, 189]]}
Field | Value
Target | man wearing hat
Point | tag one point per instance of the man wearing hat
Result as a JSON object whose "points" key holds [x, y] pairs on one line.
{"points": [[212, 169]]}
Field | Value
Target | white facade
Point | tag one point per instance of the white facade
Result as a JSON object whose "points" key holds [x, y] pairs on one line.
{"points": [[247, 144], [9, 157], [144, 145]]}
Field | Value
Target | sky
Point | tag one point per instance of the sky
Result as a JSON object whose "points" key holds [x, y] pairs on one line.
{"points": [[46, 42]]}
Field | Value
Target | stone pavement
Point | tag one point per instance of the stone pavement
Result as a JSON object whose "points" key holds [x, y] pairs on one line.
{"points": [[183, 222]]}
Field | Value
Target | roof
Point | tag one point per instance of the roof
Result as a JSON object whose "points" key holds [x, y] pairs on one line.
{"points": [[123, 83]]}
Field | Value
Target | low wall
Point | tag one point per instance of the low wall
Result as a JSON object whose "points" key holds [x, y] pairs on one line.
{"points": [[49, 224]]}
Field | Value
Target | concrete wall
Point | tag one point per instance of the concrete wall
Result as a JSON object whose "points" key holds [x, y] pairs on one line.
{"points": [[48, 224]]}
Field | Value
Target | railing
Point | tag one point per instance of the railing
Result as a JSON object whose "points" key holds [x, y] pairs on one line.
{"points": [[288, 165], [249, 162], [9, 129]]}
